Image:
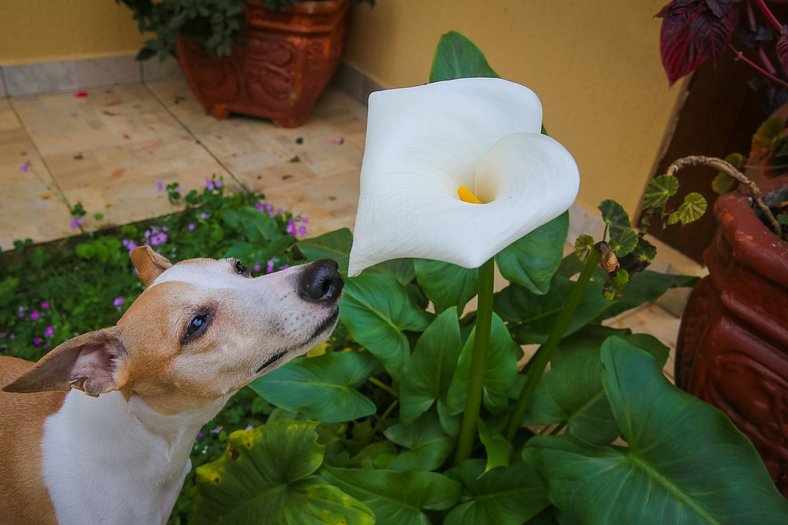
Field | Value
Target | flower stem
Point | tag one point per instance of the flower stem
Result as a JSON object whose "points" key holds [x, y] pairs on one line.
{"points": [[481, 343], [756, 67], [545, 353], [769, 15]]}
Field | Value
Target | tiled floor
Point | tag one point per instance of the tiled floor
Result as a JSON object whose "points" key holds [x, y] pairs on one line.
{"points": [[107, 148]]}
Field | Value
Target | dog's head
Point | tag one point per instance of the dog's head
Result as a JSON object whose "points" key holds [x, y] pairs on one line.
{"points": [[202, 329]]}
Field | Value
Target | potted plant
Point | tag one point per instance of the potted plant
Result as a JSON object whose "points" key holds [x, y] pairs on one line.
{"points": [[266, 58], [733, 342]]}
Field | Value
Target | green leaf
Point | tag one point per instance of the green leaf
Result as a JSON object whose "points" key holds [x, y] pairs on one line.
{"points": [[532, 316], [323, 387], [376, 310], [446, 284], [686, 462], [499, 376], [503, 496], [659, 190], [429, 445], [571, 392], [622, 238], [583, 246], [429, 370], [531, 261], [397, 497], [769, 131], [692, 209], [333, 245], [401, 269], [647, 287], [724, 182], [265, 477], [498, 448], [457, 57]]}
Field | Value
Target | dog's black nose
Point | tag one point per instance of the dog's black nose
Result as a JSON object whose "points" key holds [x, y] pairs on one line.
{"points": [[320, 282]]}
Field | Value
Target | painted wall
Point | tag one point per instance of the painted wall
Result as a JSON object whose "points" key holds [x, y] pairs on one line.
{"points": [[46, 30], [595, 66]]}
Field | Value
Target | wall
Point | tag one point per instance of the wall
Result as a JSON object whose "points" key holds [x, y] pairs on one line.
{"points": [[595, 66], [45, 30]]}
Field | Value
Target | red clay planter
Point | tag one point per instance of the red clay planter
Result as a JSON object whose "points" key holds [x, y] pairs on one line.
{"points": [[733, 342], [285, 62]]}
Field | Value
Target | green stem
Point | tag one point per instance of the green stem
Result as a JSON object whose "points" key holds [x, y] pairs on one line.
{"points": [[545, 353], [383, 386], [481, 343]]}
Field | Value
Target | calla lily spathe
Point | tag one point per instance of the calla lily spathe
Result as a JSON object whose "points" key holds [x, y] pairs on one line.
{"points": [[424, 142]]}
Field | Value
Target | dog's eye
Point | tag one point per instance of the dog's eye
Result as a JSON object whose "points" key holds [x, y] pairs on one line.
{"points": [[195, 327], [241, 269]]}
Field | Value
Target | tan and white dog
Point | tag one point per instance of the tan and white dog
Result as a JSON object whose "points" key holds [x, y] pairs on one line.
{"points": [[100, 429]]}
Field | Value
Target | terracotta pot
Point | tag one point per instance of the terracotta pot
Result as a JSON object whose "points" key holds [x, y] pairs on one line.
{"points": [[279, 71], [732, 348]]}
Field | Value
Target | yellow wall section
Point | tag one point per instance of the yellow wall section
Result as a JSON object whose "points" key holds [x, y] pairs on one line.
{"points": [[594, 65], [45, 30]]}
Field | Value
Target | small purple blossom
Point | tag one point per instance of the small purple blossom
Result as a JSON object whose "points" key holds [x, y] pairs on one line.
{"points": [[118, 302], [249, 427], [191, 226], [291, 229], [35, 315], [257, 267], [25, 167], [200, 434], [37, 341], [159, 238], [203, 215], [76, 223], [217, 429], [304, 219], [129, 245], [45, 305], [49, 332], [218, 183], [159, 186], [21, 315], [302, 230], [269, 266], [209, 184], [284, 267]]}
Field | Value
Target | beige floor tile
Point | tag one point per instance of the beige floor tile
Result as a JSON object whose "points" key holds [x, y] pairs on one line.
{"points": [[65, 123]]}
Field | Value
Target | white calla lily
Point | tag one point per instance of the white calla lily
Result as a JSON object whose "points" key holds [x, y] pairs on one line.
{"points": [[424, 143]]}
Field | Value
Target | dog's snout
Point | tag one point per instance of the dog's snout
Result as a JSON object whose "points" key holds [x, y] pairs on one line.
{"points": [[320, 282]]}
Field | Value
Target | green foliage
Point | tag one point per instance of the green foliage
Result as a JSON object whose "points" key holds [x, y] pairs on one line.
{"points": [[691, 209], [456, 57], [723, 182]]}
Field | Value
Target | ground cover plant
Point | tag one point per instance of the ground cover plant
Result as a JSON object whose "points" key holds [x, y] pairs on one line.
{"points": [[365, 429]]}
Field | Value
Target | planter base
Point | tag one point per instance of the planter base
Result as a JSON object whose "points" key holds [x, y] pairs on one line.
{"points": [[284, 64]]}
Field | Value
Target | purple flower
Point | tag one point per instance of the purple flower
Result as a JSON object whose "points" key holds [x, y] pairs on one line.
{"points": [[284, 267], [159, 186], [191, 226], [203, 215], [249, 427], [217, 183], [76, 223], [118, 302], [269, 266], [49, 332], [129, 245], [200, 434], [304, 219], [209, 184], [21, 315], [217, 429], [302, 230], [291, 229], [257, 268], [35, 315], [159, 238], [25, 167], [45, 305], [37, 341]]}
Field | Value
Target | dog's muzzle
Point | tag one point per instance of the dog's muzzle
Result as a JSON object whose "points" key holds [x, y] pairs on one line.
{"points": [[320, 282]]}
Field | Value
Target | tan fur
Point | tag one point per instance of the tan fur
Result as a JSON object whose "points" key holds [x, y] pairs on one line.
{"points": [[20, 461]]}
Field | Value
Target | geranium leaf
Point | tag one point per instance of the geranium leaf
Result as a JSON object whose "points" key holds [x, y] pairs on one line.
{"points": [[323, 387], [376, 310], [622, 238], [692, 209], [458, 57], [659, 190], [503, 496], [397, 497], [532, 260], [445, 284], [685, 461], [429, 370], [265, 477], [769, 131], [333, 245]]}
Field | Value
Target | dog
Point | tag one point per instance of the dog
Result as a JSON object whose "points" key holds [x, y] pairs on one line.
{"points": [[100, 429]]}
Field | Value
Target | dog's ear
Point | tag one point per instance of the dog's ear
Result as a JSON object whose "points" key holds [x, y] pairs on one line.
{"points": [[148, 263], [87, 362]]}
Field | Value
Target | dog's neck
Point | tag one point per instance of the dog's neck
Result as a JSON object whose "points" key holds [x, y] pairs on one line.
{"points": [[120, 455]]}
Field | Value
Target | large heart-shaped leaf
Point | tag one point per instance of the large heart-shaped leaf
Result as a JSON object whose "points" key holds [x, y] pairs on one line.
{"points": [[429, 370], [401, 269], [323, 387], [266, 477], [532, 261], [503, 496], [458, 57], [397, 498], [429, 446], [571, 392], [333, 245], [686, 462], [376, 310], [499, 376], [446, 284], [646, 287]]}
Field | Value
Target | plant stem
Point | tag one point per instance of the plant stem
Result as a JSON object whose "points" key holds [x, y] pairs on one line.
{"points": [[768, 14], [383, 386], [756, 67], [719, 164], [545, 353], [481, 343]]}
